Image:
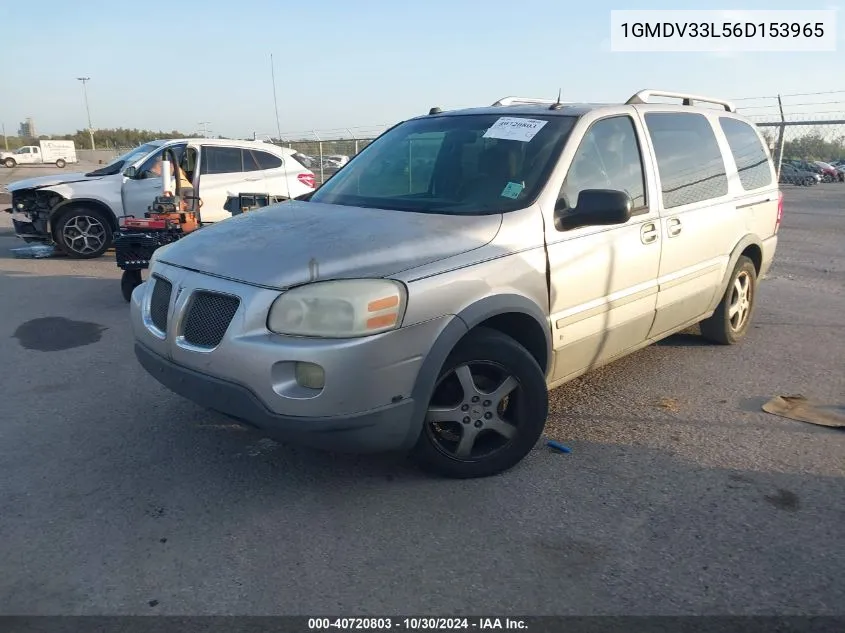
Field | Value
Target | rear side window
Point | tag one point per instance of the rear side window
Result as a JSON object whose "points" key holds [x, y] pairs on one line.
{"points": [[752, 161], [221, 160], [250, 162], [267, 160], [689, 161]]}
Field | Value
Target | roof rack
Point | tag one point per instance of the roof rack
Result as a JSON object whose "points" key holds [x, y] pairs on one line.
{"points": [[507, 101], [643, 96]]}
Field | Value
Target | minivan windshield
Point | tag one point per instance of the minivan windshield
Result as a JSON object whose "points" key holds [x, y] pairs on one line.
{"points": [[469, 164]]}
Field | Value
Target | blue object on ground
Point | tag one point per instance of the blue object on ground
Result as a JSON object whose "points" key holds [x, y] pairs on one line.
{"points": [[36, 251], [558, 446]]}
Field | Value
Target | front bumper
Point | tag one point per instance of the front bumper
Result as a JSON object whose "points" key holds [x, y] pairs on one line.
{"points": [[366, 403], [28, 230], [381, 430]]}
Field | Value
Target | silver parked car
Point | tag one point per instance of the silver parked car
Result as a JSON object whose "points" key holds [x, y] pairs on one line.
{"points": [[426, 297]]}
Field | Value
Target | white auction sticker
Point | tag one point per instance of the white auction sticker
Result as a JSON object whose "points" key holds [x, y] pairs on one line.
{"points": [[515, 129], [729, 31]]}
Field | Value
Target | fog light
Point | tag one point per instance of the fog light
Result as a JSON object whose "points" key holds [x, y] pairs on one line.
{"points": [[310, 376]]}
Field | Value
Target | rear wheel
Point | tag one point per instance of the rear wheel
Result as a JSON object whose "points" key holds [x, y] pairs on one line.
{"points": [[487, 411], [84, 233], [60, 164], [729, 323], [9, 162]]}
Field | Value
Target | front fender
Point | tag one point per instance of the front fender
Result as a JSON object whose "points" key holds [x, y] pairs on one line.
{"points": [[91, 202], [458, 327]]}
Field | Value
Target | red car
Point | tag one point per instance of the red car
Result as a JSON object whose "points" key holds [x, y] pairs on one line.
{"points": [[829, 172]]}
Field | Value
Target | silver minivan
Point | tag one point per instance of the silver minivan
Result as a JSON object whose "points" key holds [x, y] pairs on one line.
{"points": [[428, 295]]}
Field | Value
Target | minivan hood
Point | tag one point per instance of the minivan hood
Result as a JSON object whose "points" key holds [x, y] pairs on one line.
{"points": [[296, 242], [48, 181]]}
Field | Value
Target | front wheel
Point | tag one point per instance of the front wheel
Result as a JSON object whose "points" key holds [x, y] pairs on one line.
{"points": [[84, 233], [9, 162], [729, 323], [487, 411], [60, 164]]}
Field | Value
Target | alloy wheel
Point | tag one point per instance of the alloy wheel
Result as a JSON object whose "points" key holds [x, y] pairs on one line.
{"points": [[84, 234], [740, 304], [472, 414]]}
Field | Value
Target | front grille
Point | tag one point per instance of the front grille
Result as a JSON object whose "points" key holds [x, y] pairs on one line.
{"points": [[160, 302], [209, 317]]}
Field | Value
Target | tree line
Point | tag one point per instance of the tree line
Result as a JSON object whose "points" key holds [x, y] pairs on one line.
{"points": [[810, 146], [103, 139]]}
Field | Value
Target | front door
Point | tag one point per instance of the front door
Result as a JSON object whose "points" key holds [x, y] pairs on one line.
{"points": [[138, 193], [26, 156], [604, 278]]}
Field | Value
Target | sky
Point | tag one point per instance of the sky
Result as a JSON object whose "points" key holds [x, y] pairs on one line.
{"points": [[359, 65]]}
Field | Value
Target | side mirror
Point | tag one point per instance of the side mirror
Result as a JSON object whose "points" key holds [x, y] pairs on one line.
{"points": [[596, 207], [130, 172]]}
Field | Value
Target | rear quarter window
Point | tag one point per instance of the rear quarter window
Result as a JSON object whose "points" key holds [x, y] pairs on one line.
{"points": [[689, 161], [752, 160], [266, 160]]}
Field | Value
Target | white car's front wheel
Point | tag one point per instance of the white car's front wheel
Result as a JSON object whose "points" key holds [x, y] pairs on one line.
{"points": [[83, 233]]}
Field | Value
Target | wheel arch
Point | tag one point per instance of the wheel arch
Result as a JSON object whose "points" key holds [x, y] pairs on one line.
{"points": [[66, 206], [512, 314], [749, 246]]}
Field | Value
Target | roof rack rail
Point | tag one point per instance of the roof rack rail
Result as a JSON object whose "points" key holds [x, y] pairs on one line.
{"points": [[507, 101], [643, 96]]}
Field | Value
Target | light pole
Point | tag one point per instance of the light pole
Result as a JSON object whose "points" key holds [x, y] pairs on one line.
{"points": [[84, 81]]}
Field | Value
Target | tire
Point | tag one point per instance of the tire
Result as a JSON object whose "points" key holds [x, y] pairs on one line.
{"points": [[129, 280], [808, 182], [9, 162], [501, 429], [83, 233], [60, 164], [726, 328]]}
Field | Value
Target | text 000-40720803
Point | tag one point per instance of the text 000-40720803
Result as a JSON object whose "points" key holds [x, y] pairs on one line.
{"points": [[723, 31], [416, 624]]}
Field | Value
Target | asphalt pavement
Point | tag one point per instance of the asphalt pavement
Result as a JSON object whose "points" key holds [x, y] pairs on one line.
{"points": [[680, 496]]}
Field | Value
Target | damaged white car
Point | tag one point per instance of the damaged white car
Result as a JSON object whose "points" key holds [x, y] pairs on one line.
{"points": [[79, 212]]}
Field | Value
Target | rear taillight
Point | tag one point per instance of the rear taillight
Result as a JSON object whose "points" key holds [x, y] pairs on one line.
{"points": [[780, 211], [307, 180]]}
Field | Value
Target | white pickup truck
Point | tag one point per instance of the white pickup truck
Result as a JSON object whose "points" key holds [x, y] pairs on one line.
{"points": [[59, 153]]}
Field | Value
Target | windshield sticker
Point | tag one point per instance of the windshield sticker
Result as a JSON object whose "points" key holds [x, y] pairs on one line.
{"points": [[515, 129], [513, 189]]}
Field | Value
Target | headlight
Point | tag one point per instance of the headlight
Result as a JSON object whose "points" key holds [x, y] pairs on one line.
{"points": [[346, 308]]}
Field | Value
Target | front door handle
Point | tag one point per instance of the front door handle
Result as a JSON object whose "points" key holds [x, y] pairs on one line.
{"points": [[673, 227], [648, 234]]}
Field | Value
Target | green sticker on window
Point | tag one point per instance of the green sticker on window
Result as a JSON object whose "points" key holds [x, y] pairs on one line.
{"points": [[512, 190]]}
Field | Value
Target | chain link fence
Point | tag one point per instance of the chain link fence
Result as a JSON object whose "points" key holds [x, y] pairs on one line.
{"points": [[806, 136]]}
